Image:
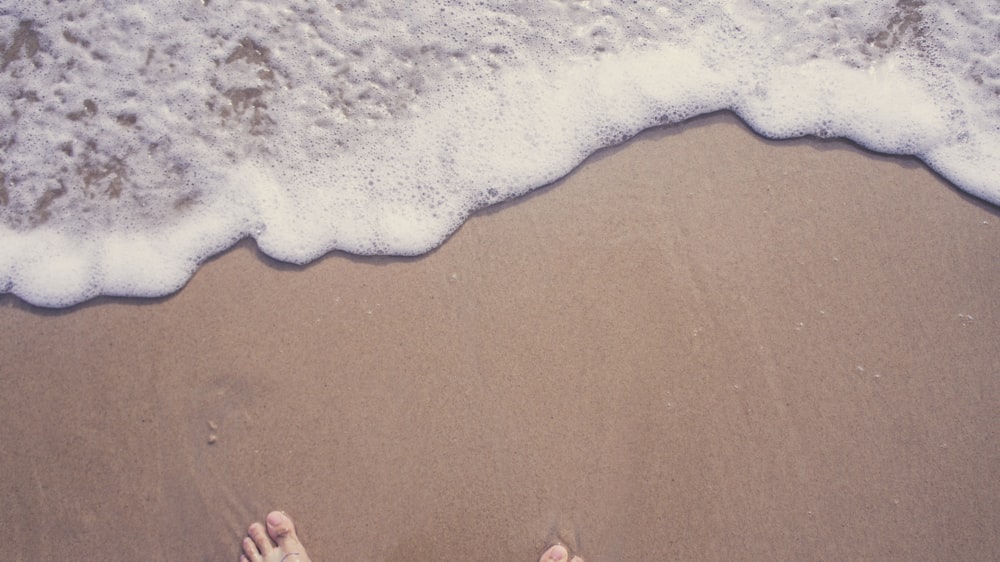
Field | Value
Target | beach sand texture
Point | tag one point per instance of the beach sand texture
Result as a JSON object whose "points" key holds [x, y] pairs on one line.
{"points": [[699, 345]]}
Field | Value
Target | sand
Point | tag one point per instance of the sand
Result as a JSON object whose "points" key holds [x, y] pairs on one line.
{"points": [[699, 345]]}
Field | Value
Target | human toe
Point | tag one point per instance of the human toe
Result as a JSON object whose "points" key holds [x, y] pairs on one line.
{"points": [[282, 530], [555, 553], [256, 545]]}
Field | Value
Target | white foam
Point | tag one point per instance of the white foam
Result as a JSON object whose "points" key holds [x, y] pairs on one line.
{"points": [[142, 139]]}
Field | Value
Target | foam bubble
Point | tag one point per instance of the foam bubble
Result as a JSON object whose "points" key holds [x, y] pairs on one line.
{"points": [[141, 139]]}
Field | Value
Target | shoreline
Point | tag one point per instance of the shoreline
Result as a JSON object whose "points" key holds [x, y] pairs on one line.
{"points": [[655, 132]]}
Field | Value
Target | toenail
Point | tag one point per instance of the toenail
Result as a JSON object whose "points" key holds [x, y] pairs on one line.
{"points": [[274, 519], [555, 553]]}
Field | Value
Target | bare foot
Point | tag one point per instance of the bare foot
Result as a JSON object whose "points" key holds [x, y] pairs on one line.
{"points": [[278, 543], [557, 553]]}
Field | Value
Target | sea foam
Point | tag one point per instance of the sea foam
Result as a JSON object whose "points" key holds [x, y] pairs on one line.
{"points": [[138, 140]]}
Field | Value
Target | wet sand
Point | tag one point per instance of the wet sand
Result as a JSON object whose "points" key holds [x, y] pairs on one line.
{"points": [[699, 345]]}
